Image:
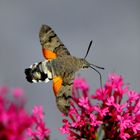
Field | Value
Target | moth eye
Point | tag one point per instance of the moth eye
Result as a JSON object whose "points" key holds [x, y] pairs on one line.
{"points": [[85, 66]]}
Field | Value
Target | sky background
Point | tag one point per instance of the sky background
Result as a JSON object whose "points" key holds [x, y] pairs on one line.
{"points": [[113, 25]]}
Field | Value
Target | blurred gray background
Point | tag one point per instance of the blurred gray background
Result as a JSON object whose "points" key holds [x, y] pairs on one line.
{"points": [[113, 25]]}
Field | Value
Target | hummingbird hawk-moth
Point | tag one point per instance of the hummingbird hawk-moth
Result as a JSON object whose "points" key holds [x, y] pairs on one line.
{"points": [[59, 66]]}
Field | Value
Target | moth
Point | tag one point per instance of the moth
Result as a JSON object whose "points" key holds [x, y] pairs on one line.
{"points": [[59, 66]]}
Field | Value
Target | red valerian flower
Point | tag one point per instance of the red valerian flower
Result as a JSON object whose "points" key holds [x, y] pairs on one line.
{"points": [[14, 119], [38, 130], [116, 114]]}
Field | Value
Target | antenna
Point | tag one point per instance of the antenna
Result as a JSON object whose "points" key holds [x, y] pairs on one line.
{"points": [[98, 73], [93, 65], [89, 46]]}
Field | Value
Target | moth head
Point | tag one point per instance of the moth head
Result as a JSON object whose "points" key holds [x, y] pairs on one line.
{"points": [[84, 63]]}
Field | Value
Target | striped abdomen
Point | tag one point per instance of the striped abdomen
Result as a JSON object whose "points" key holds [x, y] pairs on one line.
{"points": [[38, 72]]}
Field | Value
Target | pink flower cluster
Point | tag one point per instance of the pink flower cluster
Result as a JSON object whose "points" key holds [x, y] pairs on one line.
{"points": [[38, 131], [112, 112], [14, 119], [15, 122]]}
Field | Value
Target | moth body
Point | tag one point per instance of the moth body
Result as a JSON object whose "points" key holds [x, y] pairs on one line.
{"points": [[59, 66], [67, 65]]}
